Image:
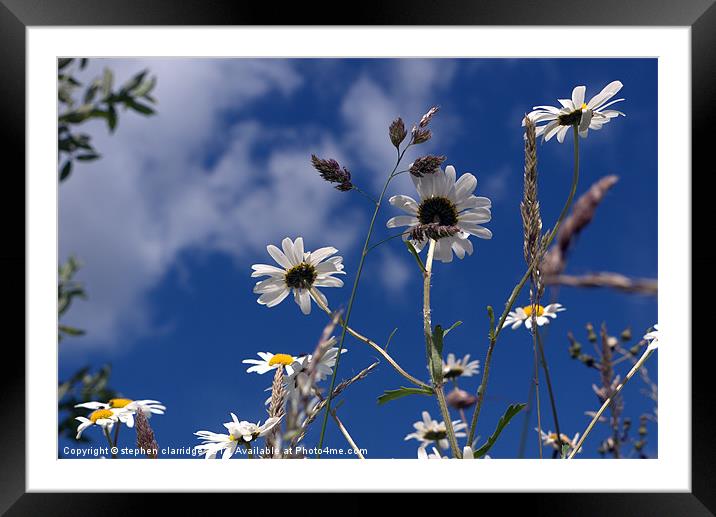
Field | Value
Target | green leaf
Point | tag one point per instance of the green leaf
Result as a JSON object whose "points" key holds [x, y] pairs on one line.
{"points": [[402, 392], [87, 157], [145, 88], [453, 326], [112, 118], [491, 315], [512, 410], [134, 81], [565, 450], [71, 331], [107, 81], [414, 252], [66, 170], [139, 107]]}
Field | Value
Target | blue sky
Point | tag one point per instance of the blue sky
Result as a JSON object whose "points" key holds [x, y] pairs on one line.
{"points": [[170, 220]]}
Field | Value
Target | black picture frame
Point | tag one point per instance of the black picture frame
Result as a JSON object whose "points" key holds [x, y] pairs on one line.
{"points": [[17, 15]]}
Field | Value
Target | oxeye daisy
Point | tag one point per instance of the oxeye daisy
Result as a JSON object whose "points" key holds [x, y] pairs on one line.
{"points": [[454, 368], [298, 382], [447, 212], [550, 438], [240, 432], [130, 407], [300, 272], [524, 315], [428, 430], [575, 111], [104, 418], [653, 338], [269, 362]]}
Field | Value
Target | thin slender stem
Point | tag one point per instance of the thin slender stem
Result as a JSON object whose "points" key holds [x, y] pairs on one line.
{"points": [[109, 441], [536, 383], [427, 329], [349, 310], [549, 388], [526, 422], [116, 433], [387, 239], [609, 400], [346, 435], [518, 288], [375, 346], [364, 194]]}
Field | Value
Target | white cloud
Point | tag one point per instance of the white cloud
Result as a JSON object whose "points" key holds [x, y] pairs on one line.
{"points": [[155, 193], [496, 185], [394, 271]]}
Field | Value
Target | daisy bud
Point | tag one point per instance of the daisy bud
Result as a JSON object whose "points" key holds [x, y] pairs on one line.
{"points": [[587, 359], [397, 132], [460, 399], [591, 335], [627, 424], [428, 116], [426, 165], [331, 171], [626, 334]]}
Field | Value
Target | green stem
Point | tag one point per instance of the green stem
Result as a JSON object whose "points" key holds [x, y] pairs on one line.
{"points": [[116, 434], [353, 296], [388, 239], [375, 346], [536, 383], [109, 440], [433, 358], [549, 388], [609, 400], [518, 288]]}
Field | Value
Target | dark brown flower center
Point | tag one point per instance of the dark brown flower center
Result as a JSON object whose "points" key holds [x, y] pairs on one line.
{"points": [[570, 119], [301, 276], [435, 435], [454, 371], [438, 210]]}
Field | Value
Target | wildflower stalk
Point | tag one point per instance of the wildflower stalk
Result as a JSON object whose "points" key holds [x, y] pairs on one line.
{"points": [[277, 410], [313, 413], [536, 383], [349, 309], [609, 400], [518, 288], [116, 434], [346, 435], [549, 388], [109, 441], [375, 346], [433, 358]]}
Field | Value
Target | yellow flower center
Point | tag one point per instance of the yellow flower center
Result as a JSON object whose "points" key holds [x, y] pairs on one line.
{"points": [[283, 359], [119, 403], [583, 106], [99, 414], [528, 310]]}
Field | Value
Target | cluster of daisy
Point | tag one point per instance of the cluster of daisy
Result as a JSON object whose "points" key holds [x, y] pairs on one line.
{"points": [[298, 376], [117, 411]]}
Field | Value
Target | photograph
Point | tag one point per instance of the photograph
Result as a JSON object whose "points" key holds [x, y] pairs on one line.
{"points": [[357, 258]]}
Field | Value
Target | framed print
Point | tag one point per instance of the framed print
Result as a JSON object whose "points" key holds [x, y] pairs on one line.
{"points": [[429, 234]]}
